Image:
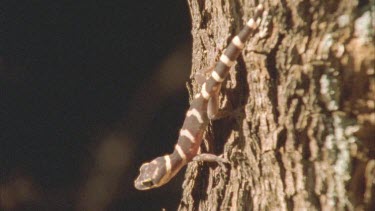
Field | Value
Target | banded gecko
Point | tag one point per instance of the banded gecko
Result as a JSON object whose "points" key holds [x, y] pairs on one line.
{"points": [[203, 107]]}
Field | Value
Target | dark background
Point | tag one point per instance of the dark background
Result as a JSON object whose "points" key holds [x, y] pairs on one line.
{"points": [[73, 75]]}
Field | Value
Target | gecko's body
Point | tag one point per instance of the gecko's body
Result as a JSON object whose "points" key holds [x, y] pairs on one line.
{"points": [[162, 169]]}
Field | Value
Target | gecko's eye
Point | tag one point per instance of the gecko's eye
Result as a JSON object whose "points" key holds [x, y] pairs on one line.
{"points": [[147, 183]]}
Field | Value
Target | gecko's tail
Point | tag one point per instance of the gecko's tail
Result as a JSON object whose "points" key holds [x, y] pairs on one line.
{"points": [[230, 55]]}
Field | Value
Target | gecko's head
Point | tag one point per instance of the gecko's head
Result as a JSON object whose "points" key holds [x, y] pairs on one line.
{"points": [[154, 174]]}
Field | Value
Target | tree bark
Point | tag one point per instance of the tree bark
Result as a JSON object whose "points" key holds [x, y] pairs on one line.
{"points": [[305, 138]]}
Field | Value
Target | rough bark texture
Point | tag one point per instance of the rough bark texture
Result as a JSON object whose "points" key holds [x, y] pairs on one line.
{"points": [[305, 139]]}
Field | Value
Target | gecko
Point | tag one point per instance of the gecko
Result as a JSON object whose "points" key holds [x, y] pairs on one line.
{"points": [[203, 107]]}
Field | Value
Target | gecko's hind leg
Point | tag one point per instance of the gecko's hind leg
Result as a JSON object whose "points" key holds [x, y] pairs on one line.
{"points": [[213, 104], [213, 112], [200, 76]]}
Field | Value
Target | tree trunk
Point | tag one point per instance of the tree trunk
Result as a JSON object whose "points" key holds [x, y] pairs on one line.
{"points": [[305, 138]]}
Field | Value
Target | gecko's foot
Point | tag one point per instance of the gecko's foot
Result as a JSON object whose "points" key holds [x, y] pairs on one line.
{"points": [[207, 157], [211, 158]]}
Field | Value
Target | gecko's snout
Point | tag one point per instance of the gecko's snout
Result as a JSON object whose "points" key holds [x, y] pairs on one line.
{"points": [[150, 175], [144, 180]]}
